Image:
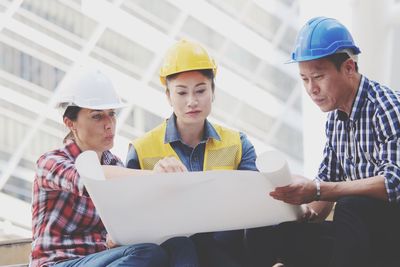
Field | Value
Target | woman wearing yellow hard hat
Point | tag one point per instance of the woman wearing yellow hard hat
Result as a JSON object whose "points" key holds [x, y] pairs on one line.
{"points": [[187, 141]]}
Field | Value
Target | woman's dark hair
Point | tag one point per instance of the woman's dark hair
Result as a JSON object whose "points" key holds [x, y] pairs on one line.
{"points": [[71, 113], [338, 59], [209, 73]]}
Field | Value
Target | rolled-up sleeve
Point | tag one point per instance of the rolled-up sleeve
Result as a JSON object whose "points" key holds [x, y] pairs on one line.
{"points": [[388, 133], [58, 173]]}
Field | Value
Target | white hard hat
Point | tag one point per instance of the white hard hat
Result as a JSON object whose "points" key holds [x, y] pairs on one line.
{"points": [[89, 88]]}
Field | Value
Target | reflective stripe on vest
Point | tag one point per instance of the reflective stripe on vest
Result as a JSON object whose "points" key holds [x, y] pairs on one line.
{"points": [[224, 154]]}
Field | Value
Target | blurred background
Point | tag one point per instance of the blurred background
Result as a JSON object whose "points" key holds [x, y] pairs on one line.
{"points": [[41, 41]]}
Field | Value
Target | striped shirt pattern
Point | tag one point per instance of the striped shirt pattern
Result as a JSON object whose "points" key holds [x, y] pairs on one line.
{"points": [[65, 223], [365, 143]]}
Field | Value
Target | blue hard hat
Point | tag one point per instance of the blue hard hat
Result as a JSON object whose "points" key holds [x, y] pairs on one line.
{"points": [[321, 37]]}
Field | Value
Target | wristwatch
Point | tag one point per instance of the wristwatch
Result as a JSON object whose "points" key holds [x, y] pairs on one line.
{"points": [[318, 186]]}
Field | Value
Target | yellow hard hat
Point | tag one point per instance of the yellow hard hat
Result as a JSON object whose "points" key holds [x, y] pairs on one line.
{"points": [[186, 56]]}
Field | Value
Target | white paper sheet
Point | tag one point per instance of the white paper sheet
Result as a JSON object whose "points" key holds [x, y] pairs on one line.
{"points": [[156, 207]]}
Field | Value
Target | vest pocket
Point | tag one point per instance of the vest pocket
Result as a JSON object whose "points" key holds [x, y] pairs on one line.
{"points": [[222, 159], [221, 168], [148, 163]]}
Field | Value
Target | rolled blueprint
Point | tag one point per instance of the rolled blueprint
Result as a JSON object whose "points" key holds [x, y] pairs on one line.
{"points": [[273, 165], [176, 204]]}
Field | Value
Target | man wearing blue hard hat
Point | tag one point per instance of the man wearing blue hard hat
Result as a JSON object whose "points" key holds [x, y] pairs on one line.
{"points": [[360, 170]]}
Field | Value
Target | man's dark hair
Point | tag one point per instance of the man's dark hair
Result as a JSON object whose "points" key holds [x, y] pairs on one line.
{"points": [[338, 59]]}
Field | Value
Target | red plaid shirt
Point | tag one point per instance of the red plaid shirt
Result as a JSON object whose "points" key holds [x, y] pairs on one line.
{"points": [[65, 223]]}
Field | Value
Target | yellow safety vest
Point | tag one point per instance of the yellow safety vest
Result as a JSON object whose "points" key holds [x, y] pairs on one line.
{"points": [[224, 154]]}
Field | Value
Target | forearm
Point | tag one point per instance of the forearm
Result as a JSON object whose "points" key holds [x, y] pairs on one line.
{"points": [[370, 187], [322, 208]]}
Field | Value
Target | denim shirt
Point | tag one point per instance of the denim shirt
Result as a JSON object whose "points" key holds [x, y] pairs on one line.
{"points": [[193, 158]]}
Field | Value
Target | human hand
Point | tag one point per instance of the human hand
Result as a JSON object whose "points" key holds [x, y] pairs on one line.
{"points": [[309, 214], [169, 164], [110, 243], [301, 191]]}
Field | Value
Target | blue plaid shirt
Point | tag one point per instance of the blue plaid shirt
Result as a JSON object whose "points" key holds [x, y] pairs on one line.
{"points": [[193, 158], [366, 143]]}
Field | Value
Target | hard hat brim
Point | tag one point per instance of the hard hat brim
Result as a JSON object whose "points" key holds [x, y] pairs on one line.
{"points": [[290, 61], [64, 106], [102, 107]]}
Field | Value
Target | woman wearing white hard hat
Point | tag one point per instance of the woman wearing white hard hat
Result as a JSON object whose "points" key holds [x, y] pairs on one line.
{"points": [[67, 230]]}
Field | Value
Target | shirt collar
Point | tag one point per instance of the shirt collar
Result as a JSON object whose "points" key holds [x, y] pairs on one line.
{"points": [[172, 134], [358, 102], [73, 150]]}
